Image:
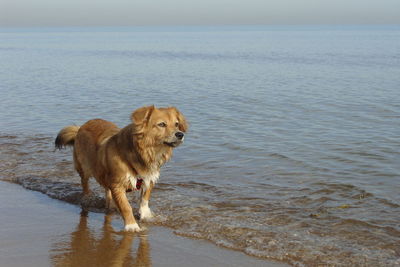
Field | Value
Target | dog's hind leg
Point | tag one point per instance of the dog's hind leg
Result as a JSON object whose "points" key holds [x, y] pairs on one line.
{"points": [[84, 182], [110, 204], [84, 175]]}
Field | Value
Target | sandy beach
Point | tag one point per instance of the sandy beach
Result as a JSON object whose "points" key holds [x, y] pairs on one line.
{"points": [[40, 231]]}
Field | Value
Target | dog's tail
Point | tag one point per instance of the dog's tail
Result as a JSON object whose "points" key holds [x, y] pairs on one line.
{"points": [[66, 137]]}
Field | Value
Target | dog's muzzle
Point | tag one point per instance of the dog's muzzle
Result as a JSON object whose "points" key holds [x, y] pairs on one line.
{"points": [[178, 139]]}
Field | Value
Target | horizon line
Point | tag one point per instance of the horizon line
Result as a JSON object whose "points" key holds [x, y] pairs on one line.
{"points": [[201, 25]]}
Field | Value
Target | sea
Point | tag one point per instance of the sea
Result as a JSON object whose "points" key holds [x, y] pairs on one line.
{"points": [[293, 151]]}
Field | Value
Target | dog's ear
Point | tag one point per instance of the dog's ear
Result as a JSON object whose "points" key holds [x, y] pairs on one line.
{"points": [[183, 124], [142, 115]]}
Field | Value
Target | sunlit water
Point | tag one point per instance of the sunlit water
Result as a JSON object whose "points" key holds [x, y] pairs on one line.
{"points": [[294, 147]]}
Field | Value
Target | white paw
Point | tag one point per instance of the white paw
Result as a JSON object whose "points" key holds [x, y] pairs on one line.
{"points": [[133, 227], [145, 212]]}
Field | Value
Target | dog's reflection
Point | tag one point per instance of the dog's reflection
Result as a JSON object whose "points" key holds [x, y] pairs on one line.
{"points": [[106, 248]]}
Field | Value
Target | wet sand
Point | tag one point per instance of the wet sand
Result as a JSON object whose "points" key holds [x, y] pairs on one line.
{"points": [[39, 231]]}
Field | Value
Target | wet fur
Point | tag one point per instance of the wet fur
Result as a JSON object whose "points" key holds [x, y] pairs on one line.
{"points": [[116, 157]]}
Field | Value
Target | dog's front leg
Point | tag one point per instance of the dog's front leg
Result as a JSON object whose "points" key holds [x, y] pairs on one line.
{"points": [[144, 210], [125, 208]]}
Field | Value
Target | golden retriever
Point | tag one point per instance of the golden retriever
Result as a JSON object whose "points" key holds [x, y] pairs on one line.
{"points": [[121, 159]]}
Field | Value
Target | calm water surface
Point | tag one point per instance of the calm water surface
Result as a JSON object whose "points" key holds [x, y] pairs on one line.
{"points": [[294, 148]]}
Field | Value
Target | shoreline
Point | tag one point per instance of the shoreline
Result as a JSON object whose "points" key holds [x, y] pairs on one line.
{"points": [[40, 231]]}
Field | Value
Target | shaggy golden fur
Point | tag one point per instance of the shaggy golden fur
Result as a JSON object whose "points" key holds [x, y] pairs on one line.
{"points": [[117, 158]]}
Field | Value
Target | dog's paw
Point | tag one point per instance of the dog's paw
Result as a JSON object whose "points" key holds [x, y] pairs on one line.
{"points": [[147, 216], [133, 227], [145, 213]]}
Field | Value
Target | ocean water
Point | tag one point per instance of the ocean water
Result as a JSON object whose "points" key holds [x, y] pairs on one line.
{"points": [[293, 152]]}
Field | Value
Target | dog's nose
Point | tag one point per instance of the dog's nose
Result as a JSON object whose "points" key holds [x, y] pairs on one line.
{"points": [[179, 135]]}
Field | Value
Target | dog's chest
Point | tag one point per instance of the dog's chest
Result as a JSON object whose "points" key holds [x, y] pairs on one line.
{"points": [[134, 180]]}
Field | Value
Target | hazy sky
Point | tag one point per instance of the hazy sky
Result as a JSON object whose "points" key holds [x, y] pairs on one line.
{"points": [[190, 12]]}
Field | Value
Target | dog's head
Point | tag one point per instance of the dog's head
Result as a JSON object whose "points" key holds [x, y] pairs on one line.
{"points": [[161, 126]]}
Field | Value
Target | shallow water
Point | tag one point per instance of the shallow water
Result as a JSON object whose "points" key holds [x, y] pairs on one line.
{"points": [[66, 235], [293, 152]]}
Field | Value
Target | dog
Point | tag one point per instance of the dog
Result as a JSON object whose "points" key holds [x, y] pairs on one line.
{"points": [[122, 160]]}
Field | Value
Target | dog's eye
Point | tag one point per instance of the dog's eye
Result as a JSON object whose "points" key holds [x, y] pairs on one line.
{"points": [[176, 124], [162, 124]]}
